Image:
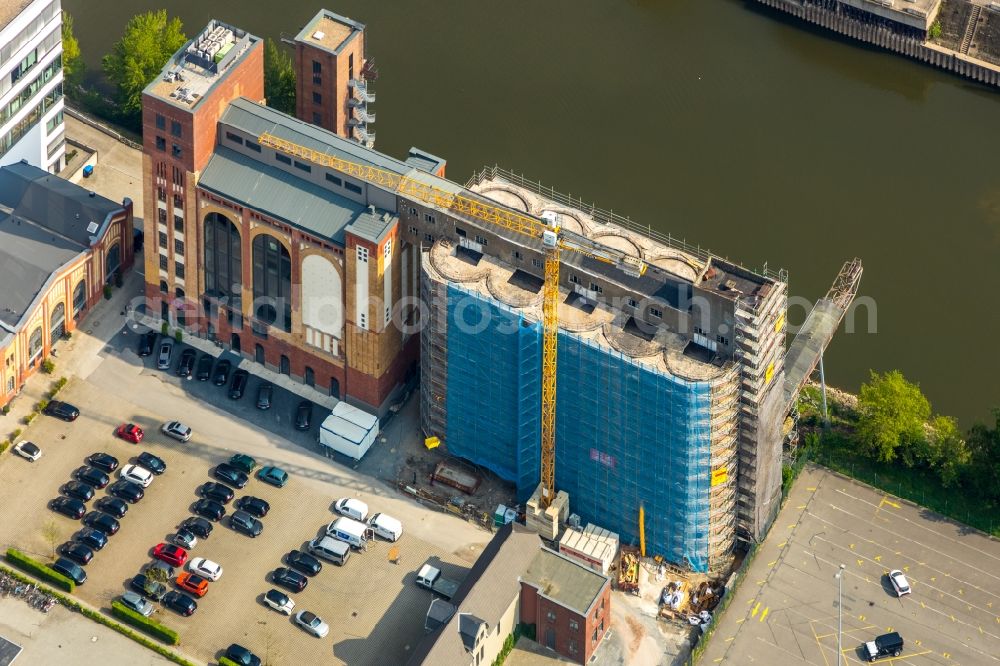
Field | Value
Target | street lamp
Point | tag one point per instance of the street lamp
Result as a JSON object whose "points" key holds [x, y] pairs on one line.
{"points": [[840, 612]]}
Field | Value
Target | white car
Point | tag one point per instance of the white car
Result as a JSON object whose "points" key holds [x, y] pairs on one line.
{"points": [[352, 508], [312, 623], [137, 474], [899, 582], [177, 430], [279, 601], [206, 568], [28, 451]]}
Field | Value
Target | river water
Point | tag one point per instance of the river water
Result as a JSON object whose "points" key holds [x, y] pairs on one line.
{"points": [[714, 120]]}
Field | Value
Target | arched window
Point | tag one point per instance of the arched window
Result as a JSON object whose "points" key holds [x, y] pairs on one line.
{"points": [[285, 367], [35, 345], [113, 261], [259, 354], [79, 299], [163, 286], [223, 259], [179, 292], [310, 377], [57, 322], [272, 282]]}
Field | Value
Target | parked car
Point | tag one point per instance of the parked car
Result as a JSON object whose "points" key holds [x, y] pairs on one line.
{"points": [[287, 578], [255, 506], [239, 385], [130, 432], [69, 507], [102, 522], [221, 375], [243, 462], [76, 551], [208, 508], [197, 526], [163, 358], [204, 370], [92, 538], [899, 582], [185, 539], [112, 506], [241, 521], [883, 646], [279, 601], [92, 477], [241, 656], [274, 476], [61, 410], [177, 430], [70, 569], [135, 602], [192, 584], [137, 474], [264, 394], [216, 491], [146, 343], [103, 461], [312, 624], [229, 474], [79, 490], [304, 562], [171, 554], [352, 508], [207, 569], [303, 415], [28, 450], [150, 588], [159, 565], [179, 603], [185, 366], [153, 463], [126, 490]]}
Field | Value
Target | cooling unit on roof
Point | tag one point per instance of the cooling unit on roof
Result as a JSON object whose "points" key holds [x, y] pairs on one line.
{"points": [[92, 227]]}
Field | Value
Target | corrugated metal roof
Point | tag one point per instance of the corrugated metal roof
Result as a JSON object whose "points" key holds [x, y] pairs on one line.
{"points": [[373, 227], [279, 194]]}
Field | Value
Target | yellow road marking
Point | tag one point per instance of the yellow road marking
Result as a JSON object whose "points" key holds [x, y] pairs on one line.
{"points": [[820, 646], [764, 614], [742, 619], [852, 546], [730, 638], [756, 608], [918, 643], [860, 562], [791, 526], [782, 544], [890, 503], [715, 661], [801, 506], [771, 563], [981, 629], [878, 558], [906, 568], [946, 655], [961, 591], [811, 488], [861, 617]]}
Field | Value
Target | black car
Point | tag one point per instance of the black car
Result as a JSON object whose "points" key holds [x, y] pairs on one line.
{"points": [[197, 526], [146, 343], [148, 588], [204, 370], [103, 461], [209, 509], [180, 603], [221, 376], [92, 538], [79, 490], [303, 415], [69, 507], [231, 475], [153, 463], [217, 491], [102, 522], [70, 569], [255, 506], [185, 366], [239, 385], [126, 490], [112, 506], [92, 476], [61, 410], [77, 552], [304, 562], [241, 656], [241, 521], [289, 579], [264, 393]]}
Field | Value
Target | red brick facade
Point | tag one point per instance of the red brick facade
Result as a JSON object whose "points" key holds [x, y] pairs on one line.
{"points": [[574, 634], [322, 81]]}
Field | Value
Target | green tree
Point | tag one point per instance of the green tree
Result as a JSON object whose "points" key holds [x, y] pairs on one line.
{"points": [[279, 78], [72, 63], [892, 414], [136, 59], [935, 31], [983, 471], [944, 450]]}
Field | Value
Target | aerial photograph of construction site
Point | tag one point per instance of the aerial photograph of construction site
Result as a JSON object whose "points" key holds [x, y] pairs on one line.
{"points": [[623, 344]]}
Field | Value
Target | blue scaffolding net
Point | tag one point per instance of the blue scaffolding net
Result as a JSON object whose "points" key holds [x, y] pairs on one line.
{"points": [[627, 435]]}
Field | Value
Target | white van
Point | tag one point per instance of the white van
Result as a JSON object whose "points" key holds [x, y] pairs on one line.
{"points": [[352, 508], [386, 527], [330, 549], [349, 531]]}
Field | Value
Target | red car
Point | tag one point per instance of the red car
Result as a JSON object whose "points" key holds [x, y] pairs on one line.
{"points": [[130, 432], [171, 554]]}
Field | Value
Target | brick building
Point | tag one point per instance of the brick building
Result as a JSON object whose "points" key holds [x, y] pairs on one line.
{"points": [[59, 245]]}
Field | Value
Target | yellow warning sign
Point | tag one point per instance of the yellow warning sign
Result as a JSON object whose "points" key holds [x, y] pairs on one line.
{"points": [[769, 374], [719, 476], [432, 442]]}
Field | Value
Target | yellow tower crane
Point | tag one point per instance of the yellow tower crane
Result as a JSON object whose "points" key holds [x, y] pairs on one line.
{"points": [[547, 230]]}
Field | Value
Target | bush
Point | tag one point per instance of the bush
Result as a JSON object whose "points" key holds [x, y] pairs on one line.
{"points": [[178, 335], [14, 435], [5, 410], [164, 327], [48, 366], [3, 447], [28, 418], [41, 405], [22, 561], [107, 291], [67, 335], [139, 621], [226, 661]]}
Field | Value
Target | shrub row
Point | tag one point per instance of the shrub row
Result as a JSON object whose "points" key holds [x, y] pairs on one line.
{"points": [[32, 566], [56, 387], [226, 661], [143, 623]]}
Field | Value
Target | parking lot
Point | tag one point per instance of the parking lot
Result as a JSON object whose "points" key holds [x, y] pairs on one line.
{"points": [[786, 609], [374, 609]]}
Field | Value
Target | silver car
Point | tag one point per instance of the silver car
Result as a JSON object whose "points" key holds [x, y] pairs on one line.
{"points": [[177, 430], [163, 358], [312, 623], [135, 602]]}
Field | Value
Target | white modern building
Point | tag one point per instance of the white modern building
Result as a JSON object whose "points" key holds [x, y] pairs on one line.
{"points": [[31, 84]]}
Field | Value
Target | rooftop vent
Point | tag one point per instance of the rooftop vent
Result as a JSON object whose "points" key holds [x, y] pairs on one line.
{"points": [[319, 34], [92, 227], [92, 194]]}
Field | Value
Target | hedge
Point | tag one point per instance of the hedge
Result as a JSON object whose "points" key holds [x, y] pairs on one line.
{"points": [[226, 661], [22, 561], [140, 621]]}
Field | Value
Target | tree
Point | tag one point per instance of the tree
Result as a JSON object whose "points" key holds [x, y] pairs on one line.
{"points": [[891, 418], [983, 471], [51, 533], [943, 449], [136, 59], [279, 78], [71, 61]]}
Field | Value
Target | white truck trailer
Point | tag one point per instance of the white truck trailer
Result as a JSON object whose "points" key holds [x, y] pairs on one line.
{"points": [[349, 431]]}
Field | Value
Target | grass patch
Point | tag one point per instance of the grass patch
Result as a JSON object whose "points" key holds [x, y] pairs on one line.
{"points": [[32, 566]]}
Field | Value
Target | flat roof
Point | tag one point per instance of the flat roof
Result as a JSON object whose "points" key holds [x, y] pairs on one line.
{"points": [[564, 580], [9, 10], [329, 31], [917, 13]]}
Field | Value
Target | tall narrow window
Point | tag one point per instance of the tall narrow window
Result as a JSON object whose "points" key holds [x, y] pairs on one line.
{"points": [[272, 282], [223, 260]]}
